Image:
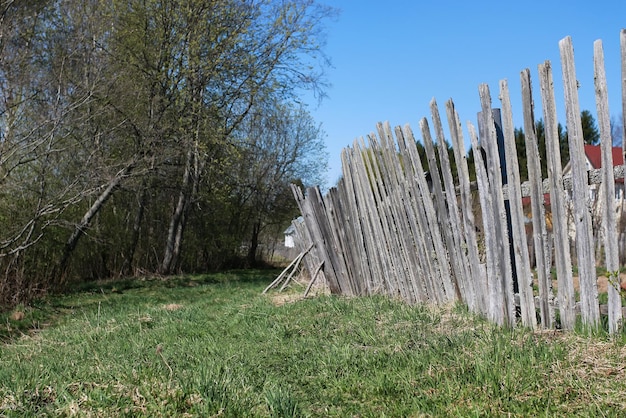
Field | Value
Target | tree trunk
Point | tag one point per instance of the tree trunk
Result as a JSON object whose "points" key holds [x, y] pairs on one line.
{"points": [[132, 247], [254, 244], [174, 232], [80, 228]]}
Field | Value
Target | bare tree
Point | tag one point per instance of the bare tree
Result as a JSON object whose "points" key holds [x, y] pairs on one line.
{"points": [[279, 144]]}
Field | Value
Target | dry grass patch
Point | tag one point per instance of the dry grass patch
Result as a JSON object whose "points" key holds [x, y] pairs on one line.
{"points": [[280, 299], [173, 307]]}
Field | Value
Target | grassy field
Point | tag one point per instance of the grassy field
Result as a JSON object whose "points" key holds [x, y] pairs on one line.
{"points": [[212, 345]]}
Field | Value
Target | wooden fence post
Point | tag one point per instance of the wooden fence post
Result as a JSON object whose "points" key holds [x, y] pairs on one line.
{"points": [[540, 233], [477, 280], [590, 311], [609, 224], [562, 255], [518, 230], [503, 280]]}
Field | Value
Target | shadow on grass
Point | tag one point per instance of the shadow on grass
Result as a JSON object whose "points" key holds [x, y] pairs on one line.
{"points": [[28, 320]]}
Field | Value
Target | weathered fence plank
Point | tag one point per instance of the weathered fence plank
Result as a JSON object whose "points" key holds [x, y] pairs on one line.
{"points": [[401, 208], [580, 194], [537, 200], [396, 207], [494, 294], [374, 247], [381, 217], [562, 257], [430, 241], [442, 212], [502, 282], [458, 258], [607, 197], [354, 227], [520, 247], [476, 279]]}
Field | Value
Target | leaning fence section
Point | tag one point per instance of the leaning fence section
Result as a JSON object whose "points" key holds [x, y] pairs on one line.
{"points": [[433, 236]]}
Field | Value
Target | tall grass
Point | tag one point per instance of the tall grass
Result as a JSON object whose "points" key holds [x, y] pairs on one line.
{"points": [[214, 346]]}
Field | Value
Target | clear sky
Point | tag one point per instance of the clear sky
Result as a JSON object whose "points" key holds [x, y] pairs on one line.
{"points": [[390, 58]]}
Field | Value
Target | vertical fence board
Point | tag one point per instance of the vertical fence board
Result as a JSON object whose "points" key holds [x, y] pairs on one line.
{"points": [[332, 213], [402, 206], [383, 218], [562, 255], [585, 256], [537, 203], [607, 197], [416, 228], [389, 213], [442, 212], [458, 257], [494, 293], [504, 281], [434, 251], [333, 259], [476, 281], [522, 260], [364, 263], [338, 212], [373, 234], [317, 236]]}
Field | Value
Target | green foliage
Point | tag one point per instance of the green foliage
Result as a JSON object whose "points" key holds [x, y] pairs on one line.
{"points": [[121, 134], [213, 345]]}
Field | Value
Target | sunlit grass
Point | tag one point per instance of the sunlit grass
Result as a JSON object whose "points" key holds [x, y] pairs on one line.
{"points": [[214, 346]]}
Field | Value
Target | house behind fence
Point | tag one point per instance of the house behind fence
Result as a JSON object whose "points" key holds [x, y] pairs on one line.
{"points": [[390, 228]]}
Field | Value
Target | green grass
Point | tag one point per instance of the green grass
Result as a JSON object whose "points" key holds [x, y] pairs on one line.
{"points": [[214, 346]]}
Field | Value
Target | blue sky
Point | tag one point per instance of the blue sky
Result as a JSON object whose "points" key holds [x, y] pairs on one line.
{"points": [[390, 58]]}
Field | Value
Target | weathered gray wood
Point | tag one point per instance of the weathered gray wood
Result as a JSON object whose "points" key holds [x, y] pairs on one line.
{"points": [[342, 229], [388, 210], [458, 258], [292, 268], [372, 234], [477, 282], [607, 195], [335, 230], [402, 210], [335, 264], [314, 276], [382, 220], [494, 292], [558, 201], [522, 260], [504, 283], [540, 234], [303, 242], [380, 231], [417, 230], [430, 242], [590, 312], [364, 262], [373, 193], [440, 203]]}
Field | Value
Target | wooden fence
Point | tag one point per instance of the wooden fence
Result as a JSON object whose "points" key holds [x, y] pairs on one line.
{"points": [[388, 228]]}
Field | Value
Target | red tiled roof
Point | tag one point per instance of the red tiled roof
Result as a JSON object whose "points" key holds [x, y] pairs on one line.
{"points": [[594, 154]]}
